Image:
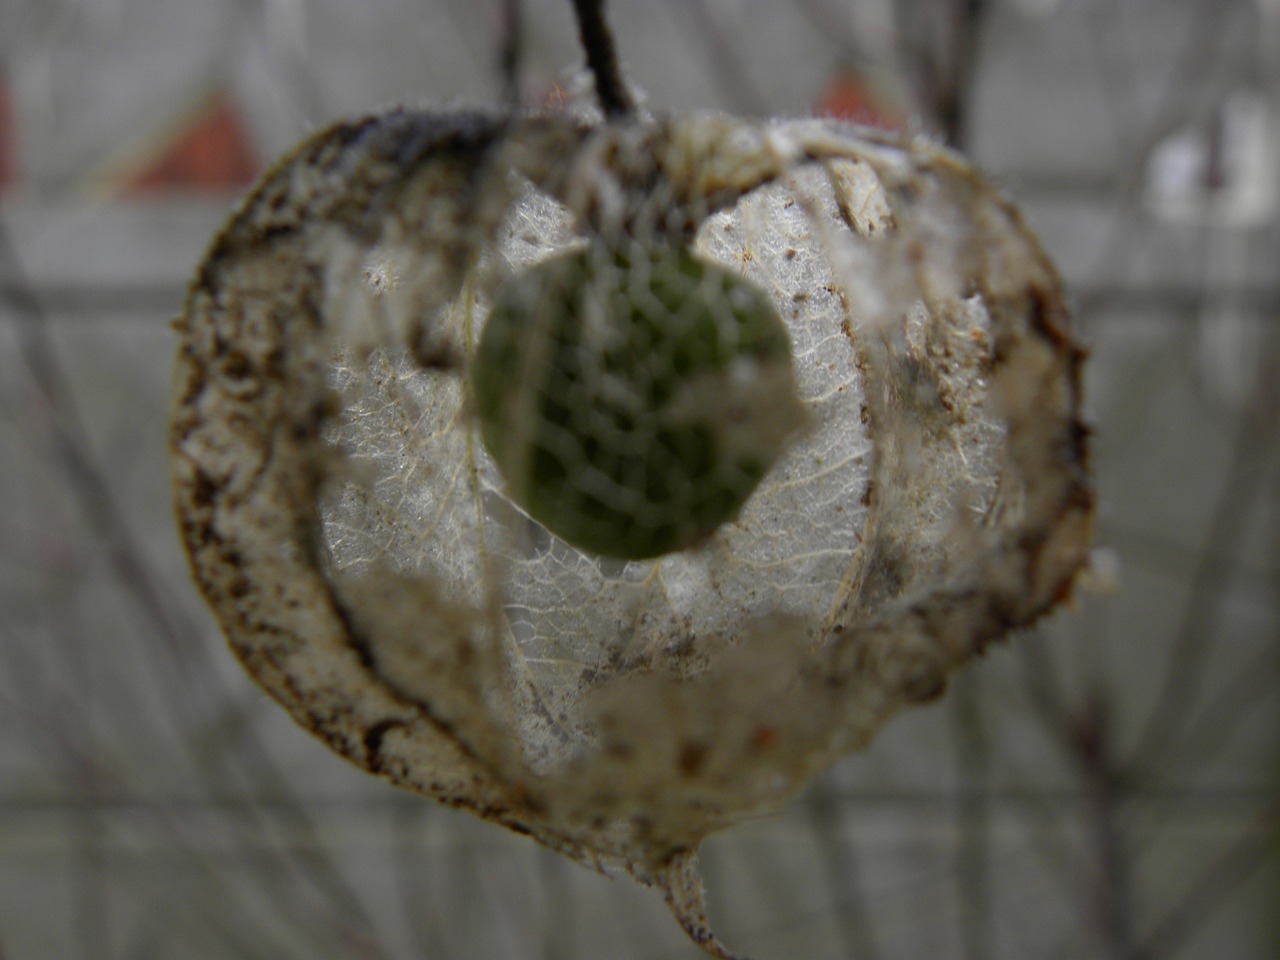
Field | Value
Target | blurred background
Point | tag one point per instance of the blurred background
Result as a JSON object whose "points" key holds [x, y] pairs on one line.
{"points": [[1106, 786]]}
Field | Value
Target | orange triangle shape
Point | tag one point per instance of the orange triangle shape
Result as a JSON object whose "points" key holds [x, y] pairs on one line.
{"points": [[858, 97], [210, 152]]}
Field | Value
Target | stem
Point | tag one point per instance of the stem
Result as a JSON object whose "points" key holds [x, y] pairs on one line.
{"points": [[597, 42]]}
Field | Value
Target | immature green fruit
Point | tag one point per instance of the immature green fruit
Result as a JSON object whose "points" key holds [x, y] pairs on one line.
{"points": [[633, 397]]}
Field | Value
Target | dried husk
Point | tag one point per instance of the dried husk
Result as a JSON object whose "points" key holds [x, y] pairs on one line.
{"points": [[357, 547]]}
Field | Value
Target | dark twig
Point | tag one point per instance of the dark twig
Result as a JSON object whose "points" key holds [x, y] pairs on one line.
{"points": [[511, 54], [1107, 882], [597, 42], [954, 77], [944, 55]]}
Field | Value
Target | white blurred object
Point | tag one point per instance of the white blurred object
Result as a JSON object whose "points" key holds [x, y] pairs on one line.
{"points": [[1222, 177], [1222, 173]]}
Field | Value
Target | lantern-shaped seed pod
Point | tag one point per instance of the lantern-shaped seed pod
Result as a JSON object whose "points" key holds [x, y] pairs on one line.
{"points": [[613, 480]]}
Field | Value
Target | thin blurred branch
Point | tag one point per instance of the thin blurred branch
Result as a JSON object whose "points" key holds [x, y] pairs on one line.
{"points": [[419, 906], [953, 73], [1044, 687], [725, 60], [181, 637], [93, 918], [839, 859], [833, 24], [511, 52], [1251, 454], [1138, 128], [88, 480], [1107, 893], [52, 726], [281, 29], [561, 917], [972, 813], [1212, 890], [939, 40], [1234, 705]]}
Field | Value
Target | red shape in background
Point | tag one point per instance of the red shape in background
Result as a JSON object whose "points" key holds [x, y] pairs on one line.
{"points": [[212, 153], [850, 95]]}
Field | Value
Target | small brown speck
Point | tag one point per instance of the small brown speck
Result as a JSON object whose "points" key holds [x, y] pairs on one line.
{"points": [[692, 755]]}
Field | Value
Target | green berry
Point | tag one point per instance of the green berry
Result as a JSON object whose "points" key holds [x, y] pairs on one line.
{"points": [[633, 397]]}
